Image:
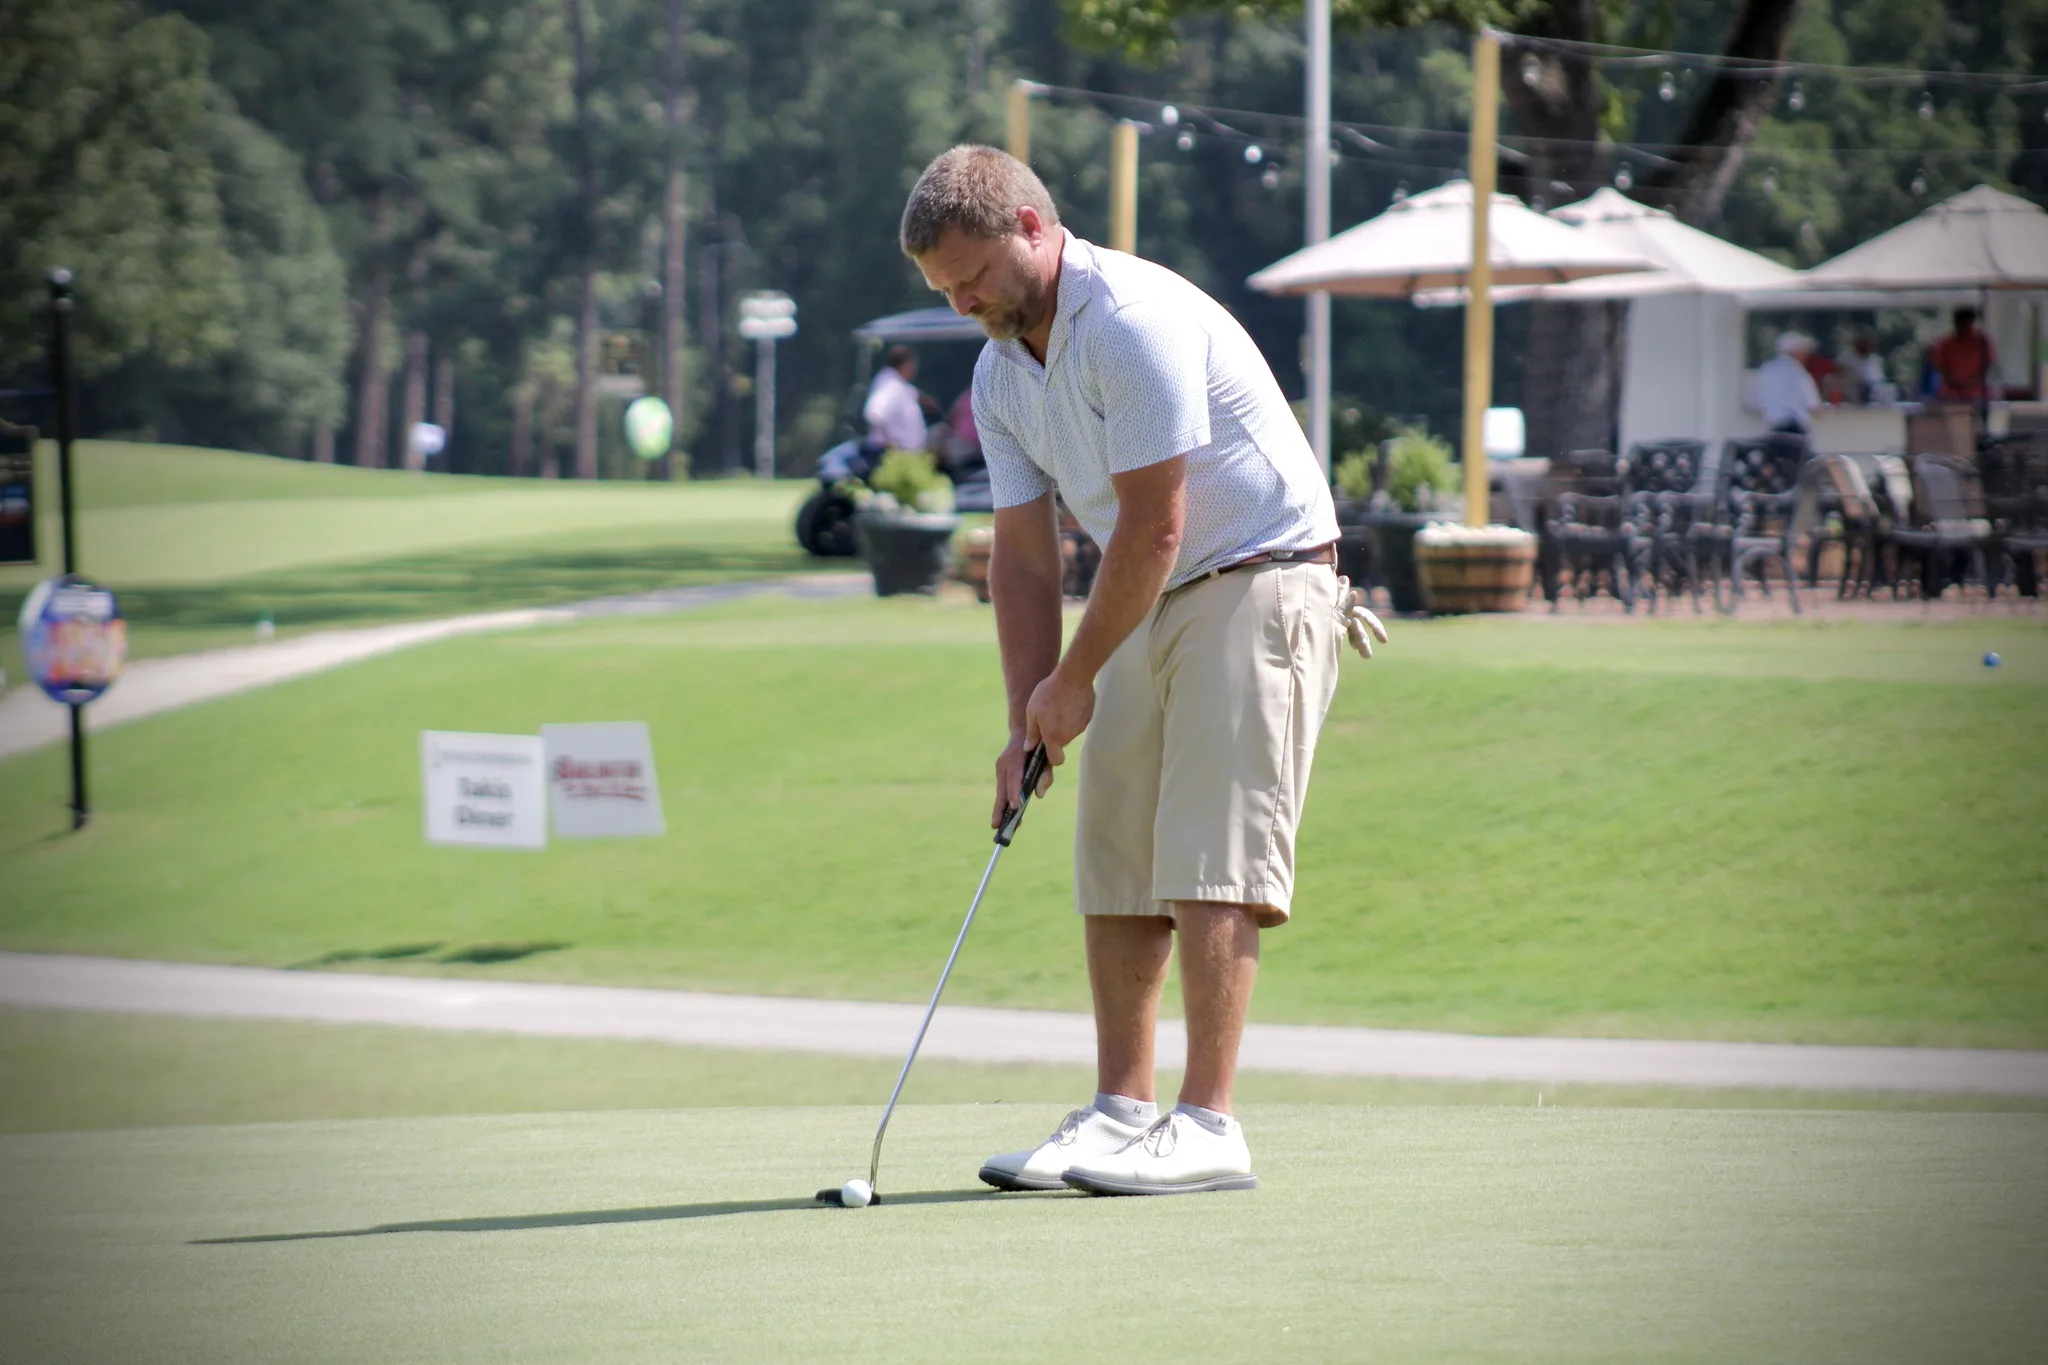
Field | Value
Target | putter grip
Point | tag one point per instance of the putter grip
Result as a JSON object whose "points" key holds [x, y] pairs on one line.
{"points": [[1034, 768]]}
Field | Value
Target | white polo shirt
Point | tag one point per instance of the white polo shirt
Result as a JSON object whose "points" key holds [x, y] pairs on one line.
{"points": [[1143, 366], [1785, 392], [893, 413]]}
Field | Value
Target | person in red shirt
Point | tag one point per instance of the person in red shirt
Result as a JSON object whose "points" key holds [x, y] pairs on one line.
{"points": [[1962, 360]]}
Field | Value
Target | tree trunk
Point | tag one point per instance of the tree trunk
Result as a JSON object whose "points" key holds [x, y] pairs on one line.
{"points": [[585, 240], [672, 244], [372, 417], [521, 454], [444, 392], [1571, 384], [1726, 117], [323, 445], [413, 409]]}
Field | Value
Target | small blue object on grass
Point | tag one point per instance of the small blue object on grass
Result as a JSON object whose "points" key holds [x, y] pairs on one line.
{"points": [[1991, 659]]}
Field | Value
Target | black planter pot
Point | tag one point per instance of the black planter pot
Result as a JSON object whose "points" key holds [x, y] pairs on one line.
{"points": [[906, 551], [1393, 552]]}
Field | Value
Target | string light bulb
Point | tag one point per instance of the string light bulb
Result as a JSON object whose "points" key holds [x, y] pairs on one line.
{"points": [[1623, 177], [1169, 116], [1254, 154], [1667, 88], [1271, 178], [1796, 100], [1919, 185], [1400, 191], [1809, 235], [1532, 70], [1769, 184], [1186, 141], [1926, 105]]}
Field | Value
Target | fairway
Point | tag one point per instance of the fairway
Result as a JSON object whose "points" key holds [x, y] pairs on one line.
{"points": [[201, 543], [1516, 826], [1376, 1234]]}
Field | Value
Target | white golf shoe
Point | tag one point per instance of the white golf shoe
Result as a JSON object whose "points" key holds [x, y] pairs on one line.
{"points": [[1176, 1155], [1086, 1132]]}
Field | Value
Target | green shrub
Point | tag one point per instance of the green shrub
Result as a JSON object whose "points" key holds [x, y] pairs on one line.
{"points": [[1354, 474], [1416, 459], [907, 476]]}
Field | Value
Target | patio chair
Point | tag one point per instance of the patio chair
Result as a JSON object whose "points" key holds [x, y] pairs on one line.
{"points": [[1848, 515], [1661, 505], [1951, 529], [1760, 511], [2015, 474], [1588, 530]]}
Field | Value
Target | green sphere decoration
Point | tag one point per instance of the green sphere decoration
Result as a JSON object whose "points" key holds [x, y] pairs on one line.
{"points": [[649, 426]]}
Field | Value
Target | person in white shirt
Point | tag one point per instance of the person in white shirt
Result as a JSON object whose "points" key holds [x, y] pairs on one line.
{"points": [[894, 410], [1785, 392], [1201, 669]]}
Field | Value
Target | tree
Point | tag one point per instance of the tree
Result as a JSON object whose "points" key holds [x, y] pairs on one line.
{"points": [[1557, 102], [278, 382], [105, 172]]}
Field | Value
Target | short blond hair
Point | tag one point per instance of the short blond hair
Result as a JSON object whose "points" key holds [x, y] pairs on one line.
{"points": [[974, 189]]}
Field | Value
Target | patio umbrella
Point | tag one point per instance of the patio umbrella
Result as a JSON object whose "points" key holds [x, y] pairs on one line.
{"points": [[1425, 242], [1980, 239], [1685, 260]]}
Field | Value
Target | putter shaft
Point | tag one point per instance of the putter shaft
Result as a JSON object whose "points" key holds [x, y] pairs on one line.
{"points": [[1034, 769]]}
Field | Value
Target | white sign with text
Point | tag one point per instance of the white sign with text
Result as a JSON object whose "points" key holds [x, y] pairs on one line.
{"points": [[601, 780], [487, 790]]}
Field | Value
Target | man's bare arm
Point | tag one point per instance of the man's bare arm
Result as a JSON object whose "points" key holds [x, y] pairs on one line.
{"points": [[1024, 574]]}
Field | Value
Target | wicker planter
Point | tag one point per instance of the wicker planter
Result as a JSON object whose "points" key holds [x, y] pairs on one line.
{"points": [[1485, 574], [906, 551]]}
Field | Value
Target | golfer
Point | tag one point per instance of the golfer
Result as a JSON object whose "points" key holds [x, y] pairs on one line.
{"points": [[1204, 663]]}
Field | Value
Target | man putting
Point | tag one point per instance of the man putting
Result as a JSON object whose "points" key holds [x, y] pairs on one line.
{"points": [[1204, 663]]}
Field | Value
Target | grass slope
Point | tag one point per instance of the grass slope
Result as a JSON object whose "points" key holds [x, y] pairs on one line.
{"points": [[1398, 1235], [1517, 826], [203, 542], [62, 1071]]}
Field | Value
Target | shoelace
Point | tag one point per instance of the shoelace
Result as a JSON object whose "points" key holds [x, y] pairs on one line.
{"points": [[1159, 1138], [1070, 1127]]}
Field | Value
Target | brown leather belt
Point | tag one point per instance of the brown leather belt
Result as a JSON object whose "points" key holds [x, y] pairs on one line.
{"points": [[1314, 554]]}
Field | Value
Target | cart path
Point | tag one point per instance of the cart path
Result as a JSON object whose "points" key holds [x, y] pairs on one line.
{"points": [[971, 1034], [30, 720]]}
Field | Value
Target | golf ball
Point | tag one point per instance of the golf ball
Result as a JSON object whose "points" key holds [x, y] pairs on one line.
{"points": [[856, 1193], [1992, 660]]}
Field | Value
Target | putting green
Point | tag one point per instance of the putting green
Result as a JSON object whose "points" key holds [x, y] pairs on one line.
{"points": [[1377, 1234]]}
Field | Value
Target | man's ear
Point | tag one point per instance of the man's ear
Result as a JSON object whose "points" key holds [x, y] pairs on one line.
{"points": [[1030, 224]]}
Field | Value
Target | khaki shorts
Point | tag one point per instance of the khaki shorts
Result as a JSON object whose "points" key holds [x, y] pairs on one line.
{"points": [[1196, 763]]}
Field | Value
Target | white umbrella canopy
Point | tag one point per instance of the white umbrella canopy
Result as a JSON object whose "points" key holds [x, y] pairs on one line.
{"points": [[1685, 259], [1425, 242], [1980, 239]]}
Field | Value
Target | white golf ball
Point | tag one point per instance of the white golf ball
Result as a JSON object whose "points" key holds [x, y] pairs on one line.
{"points": [[856, 1193]]}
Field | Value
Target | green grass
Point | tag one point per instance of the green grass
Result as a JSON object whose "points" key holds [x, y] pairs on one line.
{"points": [[64, 1071], [1413, 1234], [1517, 826], [201, 543]]}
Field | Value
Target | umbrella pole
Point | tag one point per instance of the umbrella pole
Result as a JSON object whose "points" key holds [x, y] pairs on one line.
{"points": [[1479, 310]]}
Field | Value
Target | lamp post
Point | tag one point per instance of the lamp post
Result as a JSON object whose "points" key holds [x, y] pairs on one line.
{"points": [[766, 318], [1479, 308], [1317, 226]]}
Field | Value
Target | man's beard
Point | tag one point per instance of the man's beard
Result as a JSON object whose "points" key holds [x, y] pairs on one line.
{"points": [[1011, 316]]}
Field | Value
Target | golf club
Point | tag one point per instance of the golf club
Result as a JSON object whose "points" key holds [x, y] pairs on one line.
{"points": [[1034, 769]]}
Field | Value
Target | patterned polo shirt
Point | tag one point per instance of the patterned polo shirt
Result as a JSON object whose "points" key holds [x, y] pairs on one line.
{"points": [[1143, 366]]}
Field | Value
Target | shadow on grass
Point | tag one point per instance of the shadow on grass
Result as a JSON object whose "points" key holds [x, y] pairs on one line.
{"points": [[450, 583], [664, 1213], [478, 954]]}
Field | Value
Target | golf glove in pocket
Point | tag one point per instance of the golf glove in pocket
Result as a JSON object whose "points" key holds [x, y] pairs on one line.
{"points": [[1361, 626]]}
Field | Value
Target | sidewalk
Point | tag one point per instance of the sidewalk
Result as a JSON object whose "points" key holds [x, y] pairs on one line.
{"points": [[30, 720], [867, 1029]]}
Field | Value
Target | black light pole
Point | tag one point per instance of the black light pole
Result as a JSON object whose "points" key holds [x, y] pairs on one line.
{"points": [[67, 402]]}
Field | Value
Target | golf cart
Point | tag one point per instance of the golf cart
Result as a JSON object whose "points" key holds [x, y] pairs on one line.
{"points": [[824, 524]]}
